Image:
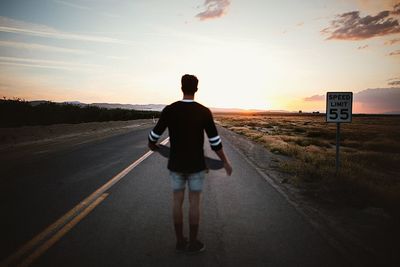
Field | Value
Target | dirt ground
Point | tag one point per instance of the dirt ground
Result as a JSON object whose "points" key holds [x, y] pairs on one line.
{"points": [[356, 232]]}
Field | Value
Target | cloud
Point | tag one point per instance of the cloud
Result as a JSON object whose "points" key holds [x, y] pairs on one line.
{"points": [[394, 82], [47, 64], [396, 9], [69, 4], [392, 42], [214, 9], [352, 26], [395, 53], [33, 46], [117, 57], [378, 100], [363, 47], [82, 7], [377, 5], [21, 27], [315, 98]]}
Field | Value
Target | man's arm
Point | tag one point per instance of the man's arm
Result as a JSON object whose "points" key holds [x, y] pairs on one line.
{"points": [[158, 130], [216, 143], [227, 165]]}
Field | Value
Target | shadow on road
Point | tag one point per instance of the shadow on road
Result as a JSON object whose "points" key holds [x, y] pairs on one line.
{"points": [[212, 164]]}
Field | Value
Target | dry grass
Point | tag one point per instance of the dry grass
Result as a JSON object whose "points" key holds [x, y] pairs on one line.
{"points": [[370, 153]]}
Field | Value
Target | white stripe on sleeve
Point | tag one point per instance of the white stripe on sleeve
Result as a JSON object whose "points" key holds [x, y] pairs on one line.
{"points": [[213, 139], [216, 143], [155, 135]]}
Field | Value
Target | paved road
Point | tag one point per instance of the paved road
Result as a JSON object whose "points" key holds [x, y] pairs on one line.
{"points": [[245, 221]]}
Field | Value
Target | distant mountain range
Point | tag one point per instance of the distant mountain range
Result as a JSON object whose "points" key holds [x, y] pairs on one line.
{"points": [[392, 113], [149, 107]]}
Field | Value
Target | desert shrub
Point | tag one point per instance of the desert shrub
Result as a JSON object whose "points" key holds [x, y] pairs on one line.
{"points": [[382, 145], [319, 142], [321, 133], [299, 130], [351, 143], [370, 155], [286, 149], [239, 129], [375, 160]]}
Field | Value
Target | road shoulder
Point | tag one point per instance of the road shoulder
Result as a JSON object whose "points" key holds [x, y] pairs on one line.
{"points": [[363, 236], [36, 140]]}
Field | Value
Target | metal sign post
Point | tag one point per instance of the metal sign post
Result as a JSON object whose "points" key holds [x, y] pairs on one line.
{"points": [[339, 106], [337, 146]]}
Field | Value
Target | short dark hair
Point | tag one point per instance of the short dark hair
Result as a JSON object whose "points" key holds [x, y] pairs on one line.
{"points": [[189, 84]]}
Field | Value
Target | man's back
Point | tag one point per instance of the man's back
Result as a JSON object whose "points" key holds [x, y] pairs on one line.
{"points": [[186, 121]]}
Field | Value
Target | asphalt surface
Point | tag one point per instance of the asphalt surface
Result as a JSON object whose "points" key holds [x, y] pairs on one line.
{"points": [[245, 221]]}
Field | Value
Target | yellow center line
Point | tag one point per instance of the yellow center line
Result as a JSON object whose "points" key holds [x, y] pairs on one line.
{"points": [[30, 245], [50, 242]]}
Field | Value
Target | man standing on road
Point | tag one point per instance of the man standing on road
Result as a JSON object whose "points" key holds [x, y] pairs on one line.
{"points": [[186, 121]]}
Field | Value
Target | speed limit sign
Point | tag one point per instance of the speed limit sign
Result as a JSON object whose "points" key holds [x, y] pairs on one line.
{"points": [[339, 106]]}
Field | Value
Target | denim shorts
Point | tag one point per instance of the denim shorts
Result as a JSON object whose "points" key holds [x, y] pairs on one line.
{"points": [[194, 180]]}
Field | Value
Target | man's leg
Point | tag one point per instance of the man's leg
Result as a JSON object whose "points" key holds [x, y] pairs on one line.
{"points": [[194, 214], [178, 215], [178, 182]]}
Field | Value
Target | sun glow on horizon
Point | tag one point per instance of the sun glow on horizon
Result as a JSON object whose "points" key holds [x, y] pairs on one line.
{"points": [[245, 56]]}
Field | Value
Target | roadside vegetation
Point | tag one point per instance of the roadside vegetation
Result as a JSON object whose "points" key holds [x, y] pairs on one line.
{"points": [[17, 112], [369, 151]]}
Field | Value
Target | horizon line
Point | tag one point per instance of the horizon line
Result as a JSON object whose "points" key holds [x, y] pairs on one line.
{"points": [[232, 109]]}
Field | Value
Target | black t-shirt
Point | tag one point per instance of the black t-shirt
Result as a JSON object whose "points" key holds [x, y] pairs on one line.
{"points": [[186, 121]]}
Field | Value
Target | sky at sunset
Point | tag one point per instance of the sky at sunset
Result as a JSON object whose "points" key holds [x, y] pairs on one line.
{"points": [[252, 54]]}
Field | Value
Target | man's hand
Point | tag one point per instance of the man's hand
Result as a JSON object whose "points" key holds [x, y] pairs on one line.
{"points": [[227, 165], [228, 168], [153, 146]]}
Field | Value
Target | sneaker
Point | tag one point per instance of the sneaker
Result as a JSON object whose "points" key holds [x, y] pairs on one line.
{"points": [[195, 247], [181, 246]]}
